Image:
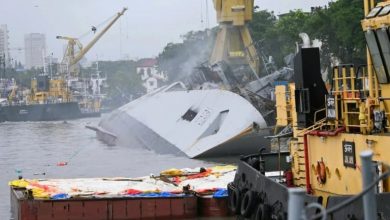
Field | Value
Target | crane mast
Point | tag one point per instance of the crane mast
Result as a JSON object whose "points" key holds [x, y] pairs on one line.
{"points": [[71, 58], [234, 43]]}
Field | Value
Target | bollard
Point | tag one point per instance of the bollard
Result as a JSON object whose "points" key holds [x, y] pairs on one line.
{"points": [[296, 203], [369, 199]]}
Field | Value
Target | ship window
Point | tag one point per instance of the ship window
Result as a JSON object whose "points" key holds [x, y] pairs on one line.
{"points": [[384, 11], [302, 100], [189, 115], [384, 43], [374, 12], [376, 57]]}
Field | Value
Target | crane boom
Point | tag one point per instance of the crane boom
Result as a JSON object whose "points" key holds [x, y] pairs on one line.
{"points": [[70, 58], [90, 45]]}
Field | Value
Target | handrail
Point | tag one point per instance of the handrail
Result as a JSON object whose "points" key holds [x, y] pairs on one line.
{"points": [[315, 114], [315, 126]]}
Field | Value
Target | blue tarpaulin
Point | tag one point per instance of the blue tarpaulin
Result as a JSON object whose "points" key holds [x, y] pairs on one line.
{"points": [[220, 193], [60, 196]]}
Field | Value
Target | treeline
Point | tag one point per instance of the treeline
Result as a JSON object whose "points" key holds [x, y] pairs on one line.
{"points": [[123, 81], [336, 25]]}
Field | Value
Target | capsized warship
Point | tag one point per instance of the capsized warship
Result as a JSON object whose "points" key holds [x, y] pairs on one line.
{"points": [[198, 123], [221, 109]]}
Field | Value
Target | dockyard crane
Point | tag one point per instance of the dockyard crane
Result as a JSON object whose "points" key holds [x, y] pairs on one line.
{"points": [[234, 44], [75, 50]]}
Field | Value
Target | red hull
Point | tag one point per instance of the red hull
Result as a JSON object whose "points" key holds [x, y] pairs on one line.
{"points": [[115, 208]]}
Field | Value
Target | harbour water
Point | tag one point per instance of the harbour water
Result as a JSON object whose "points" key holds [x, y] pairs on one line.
{"points": [[69, 150]]}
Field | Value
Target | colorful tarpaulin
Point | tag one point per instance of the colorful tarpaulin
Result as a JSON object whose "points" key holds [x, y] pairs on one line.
{"points": [[172, 182]]}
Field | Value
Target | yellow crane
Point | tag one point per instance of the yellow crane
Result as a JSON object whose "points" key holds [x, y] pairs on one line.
{"points": [[234, 43], [57, 88], [75, 50]]}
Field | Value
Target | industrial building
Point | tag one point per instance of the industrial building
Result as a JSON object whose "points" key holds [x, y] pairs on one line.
{"points": [[35, 50], [4, 45]]}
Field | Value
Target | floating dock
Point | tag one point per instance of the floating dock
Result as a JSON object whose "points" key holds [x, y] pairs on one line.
{"points": [[174, 194]]}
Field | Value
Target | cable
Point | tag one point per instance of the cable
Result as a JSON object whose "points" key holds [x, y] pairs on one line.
{"points": [[99, 25], [316, 206], [120, 38], [201, 14], [207, 14]]}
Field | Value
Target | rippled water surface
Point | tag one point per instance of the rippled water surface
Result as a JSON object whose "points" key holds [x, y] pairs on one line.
{"points": [[33, 149]]}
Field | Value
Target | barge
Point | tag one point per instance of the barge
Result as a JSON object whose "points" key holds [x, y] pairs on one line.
{"points": [[174, 194]]}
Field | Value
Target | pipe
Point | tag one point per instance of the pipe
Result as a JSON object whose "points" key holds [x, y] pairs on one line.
{"points": [[296, 203], [369, 199], [327, 133], [366, 7], [306, 40], [307, 171]]}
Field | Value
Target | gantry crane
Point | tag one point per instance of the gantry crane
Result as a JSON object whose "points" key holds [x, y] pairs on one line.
{"points": [[73, 55], [234, 44]]}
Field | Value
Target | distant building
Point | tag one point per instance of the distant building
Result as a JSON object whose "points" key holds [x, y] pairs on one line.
{"points": [[51, 64], [4, 45], [35, 49], [147, 69]]}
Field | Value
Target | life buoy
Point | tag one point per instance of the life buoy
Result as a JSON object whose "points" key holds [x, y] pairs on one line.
{"points": [[247, 203], [234, 199], [321, 172]]}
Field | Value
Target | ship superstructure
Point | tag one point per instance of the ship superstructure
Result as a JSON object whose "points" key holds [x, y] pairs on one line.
{"points": [[338, 158]]}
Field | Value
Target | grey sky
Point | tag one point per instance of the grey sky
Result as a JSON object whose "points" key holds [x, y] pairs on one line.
{"points": [[143, 31]]}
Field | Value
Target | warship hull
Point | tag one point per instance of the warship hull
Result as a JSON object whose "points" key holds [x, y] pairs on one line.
{"points": [[195, 123]]}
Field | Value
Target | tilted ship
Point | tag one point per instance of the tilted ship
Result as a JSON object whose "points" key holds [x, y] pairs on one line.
{"points": [[227, 111]]}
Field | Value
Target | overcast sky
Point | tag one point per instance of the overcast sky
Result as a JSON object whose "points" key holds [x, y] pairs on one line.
{"points": [[143, 31]]}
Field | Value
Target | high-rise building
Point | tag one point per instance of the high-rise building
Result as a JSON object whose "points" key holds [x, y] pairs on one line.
{"points": [[4, 46], [35, 50]]}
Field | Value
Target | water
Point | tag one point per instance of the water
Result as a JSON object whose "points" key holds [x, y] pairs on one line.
{"points": [[32, 149]]}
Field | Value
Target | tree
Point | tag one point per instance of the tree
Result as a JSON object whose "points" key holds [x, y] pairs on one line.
{"points": [[338, 27], [122, 79], [263, 32], [277, 37]]}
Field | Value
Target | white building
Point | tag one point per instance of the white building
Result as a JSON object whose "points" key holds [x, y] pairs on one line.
{"points": [[35, 49], [4, 45], [150, 76]]}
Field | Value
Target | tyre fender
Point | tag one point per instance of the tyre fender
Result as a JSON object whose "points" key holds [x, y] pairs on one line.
{"points": [[235, 200], [248, 203]]}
